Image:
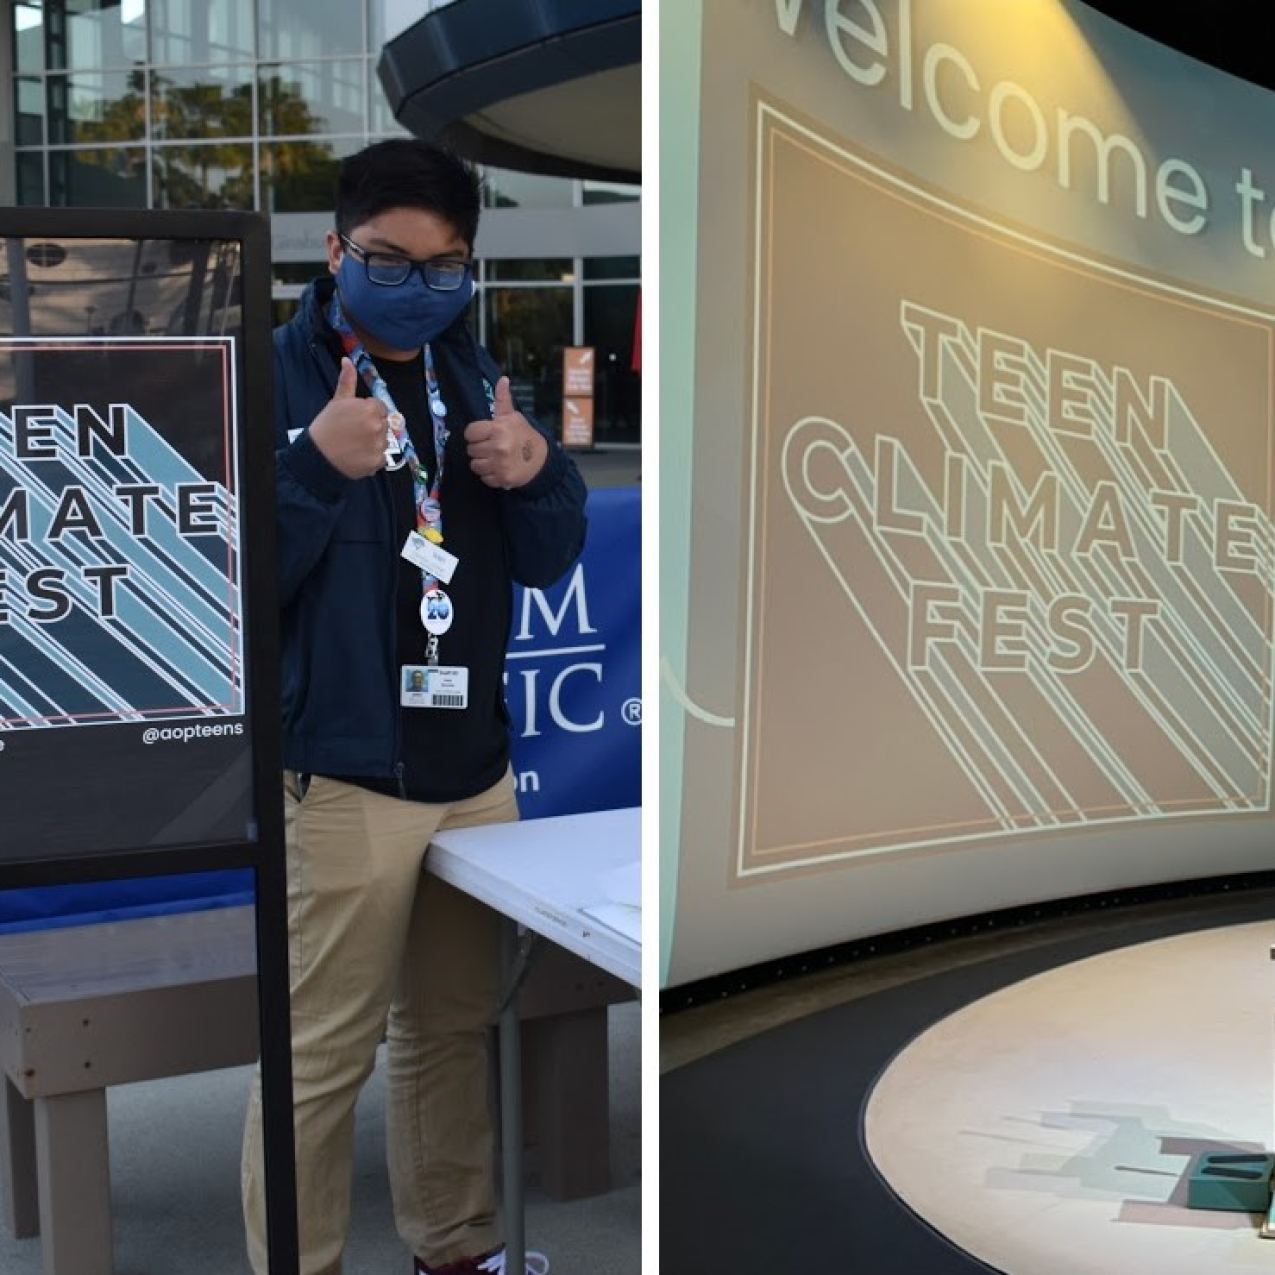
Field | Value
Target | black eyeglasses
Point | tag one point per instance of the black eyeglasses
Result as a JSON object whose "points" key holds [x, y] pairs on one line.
{"points": [[444, 274]]}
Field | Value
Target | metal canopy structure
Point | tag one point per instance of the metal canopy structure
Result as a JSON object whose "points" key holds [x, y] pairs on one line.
{"points": [[542, 86]]}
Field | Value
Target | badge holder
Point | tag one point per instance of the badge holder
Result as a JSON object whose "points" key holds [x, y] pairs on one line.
{"points": [[435, 685]]}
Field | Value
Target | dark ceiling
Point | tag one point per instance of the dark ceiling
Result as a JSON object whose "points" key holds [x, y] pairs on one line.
{"points": [[1222, 32]]}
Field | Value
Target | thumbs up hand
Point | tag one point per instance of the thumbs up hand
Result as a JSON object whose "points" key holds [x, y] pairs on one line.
{"points": [[350, 431], [505, 451]]}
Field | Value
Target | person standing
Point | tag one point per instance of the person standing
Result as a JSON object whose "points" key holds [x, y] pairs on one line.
{"points": [[411, 493]]}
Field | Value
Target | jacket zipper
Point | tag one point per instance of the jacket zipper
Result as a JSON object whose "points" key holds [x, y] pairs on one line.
{"points": [[387, 496], [398, 769], [395, 707]]}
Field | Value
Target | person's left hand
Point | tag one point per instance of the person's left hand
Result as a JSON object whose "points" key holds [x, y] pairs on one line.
{"points": [[505, 451]]}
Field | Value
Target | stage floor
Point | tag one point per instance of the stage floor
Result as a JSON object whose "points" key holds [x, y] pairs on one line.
{"points": [[1029, 1103], [1052, 1126]]}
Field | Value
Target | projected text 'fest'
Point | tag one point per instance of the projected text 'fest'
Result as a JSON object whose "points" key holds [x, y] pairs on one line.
{"points": [[1058, 524]]}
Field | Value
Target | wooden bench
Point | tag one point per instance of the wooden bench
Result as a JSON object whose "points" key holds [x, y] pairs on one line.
{"points": [[86, 1007]]}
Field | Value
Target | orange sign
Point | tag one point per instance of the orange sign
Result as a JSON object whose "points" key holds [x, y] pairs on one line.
{"points": [[577, 370], [577, 422]]}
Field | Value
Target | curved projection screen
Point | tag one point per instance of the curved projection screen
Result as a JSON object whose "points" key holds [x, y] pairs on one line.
{"points": [[974, 511]]}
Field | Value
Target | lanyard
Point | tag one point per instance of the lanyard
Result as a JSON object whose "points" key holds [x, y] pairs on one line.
{"points": [[427, 496], [436, 607]]}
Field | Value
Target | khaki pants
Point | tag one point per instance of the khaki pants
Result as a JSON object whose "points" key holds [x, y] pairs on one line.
{"points": [[377, 947]]}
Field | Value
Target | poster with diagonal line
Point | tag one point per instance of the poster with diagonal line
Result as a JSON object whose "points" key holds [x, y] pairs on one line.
{"points": [[121, 623], [139, 726], [997, 496]]}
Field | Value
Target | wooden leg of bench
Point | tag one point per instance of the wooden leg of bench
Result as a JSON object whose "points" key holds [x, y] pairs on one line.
{"points": [[17, 1163], [573, 1102], [73, 1161]]}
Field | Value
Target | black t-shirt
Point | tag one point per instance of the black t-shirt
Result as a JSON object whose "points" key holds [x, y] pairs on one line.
{"points": [[450, 754]]}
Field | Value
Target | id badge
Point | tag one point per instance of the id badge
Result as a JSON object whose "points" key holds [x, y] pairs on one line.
{"points": [[430, 557], [434, 686]]}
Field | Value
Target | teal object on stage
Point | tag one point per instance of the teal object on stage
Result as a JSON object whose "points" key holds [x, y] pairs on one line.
{"points": [[1236, 1181]]}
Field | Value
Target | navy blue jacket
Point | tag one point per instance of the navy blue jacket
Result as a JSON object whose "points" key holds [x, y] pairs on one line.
{"points": [[339, 554]]}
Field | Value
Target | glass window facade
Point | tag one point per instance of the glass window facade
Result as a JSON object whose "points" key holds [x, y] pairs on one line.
{"points": [[504, 189], [607, 193], [88, 107], [28, 37], [252, 104], [104, 177], [528, 270], [28, 110], [610, 318], [302, 98], [200, 102], [526, 329], [203, 175], [88, 35], [612, 268], [201, 32], [300, 176], [297, 30]]}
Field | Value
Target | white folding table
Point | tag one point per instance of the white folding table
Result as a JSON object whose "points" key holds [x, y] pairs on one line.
{"points": [[568, 878]]}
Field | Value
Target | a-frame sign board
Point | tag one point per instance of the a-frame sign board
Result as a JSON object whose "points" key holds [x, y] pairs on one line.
{"points": [[139, 729]]}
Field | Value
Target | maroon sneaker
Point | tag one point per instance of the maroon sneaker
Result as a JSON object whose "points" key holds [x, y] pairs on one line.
{"points": [[492, 1263]]}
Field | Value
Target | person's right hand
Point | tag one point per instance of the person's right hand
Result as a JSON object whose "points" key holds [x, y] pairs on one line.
{"points": [[350, 431]]}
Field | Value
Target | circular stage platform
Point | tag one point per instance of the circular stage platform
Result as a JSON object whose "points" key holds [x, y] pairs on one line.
{"points": [[1036, 1111], [1065, 1113]]}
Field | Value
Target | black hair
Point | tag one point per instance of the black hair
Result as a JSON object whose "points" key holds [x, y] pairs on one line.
{"points": [[407, 172]]}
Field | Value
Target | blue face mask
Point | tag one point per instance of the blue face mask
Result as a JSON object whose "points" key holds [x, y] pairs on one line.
{"points": [[404, 317]]}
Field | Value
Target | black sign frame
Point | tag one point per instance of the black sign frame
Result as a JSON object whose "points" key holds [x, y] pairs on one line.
{"points": [[261, 845]]}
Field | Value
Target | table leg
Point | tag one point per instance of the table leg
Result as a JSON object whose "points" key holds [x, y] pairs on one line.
{"points": [[510, 1031], [73, 1165], [17, 1162]]}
